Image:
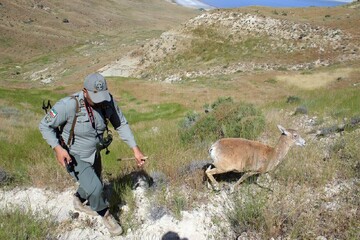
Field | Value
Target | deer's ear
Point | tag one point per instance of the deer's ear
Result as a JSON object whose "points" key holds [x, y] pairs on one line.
{"points": [[282, 130]]}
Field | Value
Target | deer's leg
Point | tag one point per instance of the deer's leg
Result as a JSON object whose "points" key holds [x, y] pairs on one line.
{"points": [[209, 173], [264, 187], [243, 178]]}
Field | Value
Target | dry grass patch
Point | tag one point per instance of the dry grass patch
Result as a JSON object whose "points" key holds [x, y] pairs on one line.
{"points": [[340, 17], [315, 80], [70, 39], [307, 166]]}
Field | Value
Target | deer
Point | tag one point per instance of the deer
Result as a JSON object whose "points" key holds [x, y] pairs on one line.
{"points": [[249, 157]]}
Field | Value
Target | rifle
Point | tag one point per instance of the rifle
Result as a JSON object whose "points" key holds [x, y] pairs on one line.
{"points": [[46, 107]]}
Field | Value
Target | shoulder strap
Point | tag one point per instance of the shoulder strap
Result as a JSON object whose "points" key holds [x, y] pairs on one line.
{"points": [[71, 136]]}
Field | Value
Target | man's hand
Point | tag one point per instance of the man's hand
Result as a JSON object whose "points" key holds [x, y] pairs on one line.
{"points": [[139, 156], [62, 155]]}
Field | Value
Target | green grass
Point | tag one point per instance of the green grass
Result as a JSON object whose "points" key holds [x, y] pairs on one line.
{"points": [[6, 42], [24, 154], [305, 166], [44, 59], [179, 204], [248, 212], [165, 111], [16, 224], [217, 52], [28, 99], [271, 81], [19, 155], [211, 47], [227, 119], [294, 210], [221, 51], [339, 103], [30, 161], [308, 166], [126, 97], [28, 158], [48, 58]]}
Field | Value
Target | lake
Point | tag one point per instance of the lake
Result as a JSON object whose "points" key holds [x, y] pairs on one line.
{"points": [[274, 3]]}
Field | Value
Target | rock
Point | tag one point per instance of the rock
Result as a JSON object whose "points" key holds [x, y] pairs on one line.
{"points": [[4, 177], [301, 110], [284, 35], [320, 238]]}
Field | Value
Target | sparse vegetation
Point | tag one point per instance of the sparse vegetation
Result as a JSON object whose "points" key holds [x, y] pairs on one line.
{"points": [[16, 224], [315, 191], [225, 119], [210, 47], [337, 103], [159, 136], [247, 214], [163, 111]]}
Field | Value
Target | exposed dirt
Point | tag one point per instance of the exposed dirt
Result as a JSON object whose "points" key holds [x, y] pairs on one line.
{"points": [[63, 41], [293, 40], [195, 224]]}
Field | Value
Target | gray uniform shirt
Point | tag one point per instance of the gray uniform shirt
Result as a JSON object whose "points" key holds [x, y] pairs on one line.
{"points": [[85, 135]]}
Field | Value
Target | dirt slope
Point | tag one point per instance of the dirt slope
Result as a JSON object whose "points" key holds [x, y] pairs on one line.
{"points": [[243, 40], [62, 38]]}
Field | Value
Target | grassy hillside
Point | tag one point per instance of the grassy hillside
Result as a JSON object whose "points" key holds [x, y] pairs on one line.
{"points": [[65, 40], [223, 42], [315, 191]]}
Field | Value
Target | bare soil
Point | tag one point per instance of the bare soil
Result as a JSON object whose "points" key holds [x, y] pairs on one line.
{"points": [[66, 40]]}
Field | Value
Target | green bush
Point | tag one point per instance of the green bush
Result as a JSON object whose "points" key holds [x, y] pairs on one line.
{"points": [[247, 214], [224, 119]]}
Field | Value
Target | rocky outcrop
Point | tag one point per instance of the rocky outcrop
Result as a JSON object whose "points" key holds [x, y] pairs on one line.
{"points": [[316, 45]]}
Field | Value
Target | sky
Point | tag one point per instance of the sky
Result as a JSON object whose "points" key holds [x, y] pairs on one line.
{"points": [[272, 3]]}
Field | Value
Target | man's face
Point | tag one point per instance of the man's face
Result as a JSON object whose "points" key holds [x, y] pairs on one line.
{"points": [[87, 97]]}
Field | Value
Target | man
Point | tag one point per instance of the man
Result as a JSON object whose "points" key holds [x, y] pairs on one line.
{"points": [[75, 128]]}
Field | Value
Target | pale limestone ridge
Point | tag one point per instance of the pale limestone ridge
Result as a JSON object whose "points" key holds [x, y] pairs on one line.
{"points": [[328, 46]]}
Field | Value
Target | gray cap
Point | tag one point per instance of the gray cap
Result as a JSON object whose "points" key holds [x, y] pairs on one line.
{"points": [[96, 85]]}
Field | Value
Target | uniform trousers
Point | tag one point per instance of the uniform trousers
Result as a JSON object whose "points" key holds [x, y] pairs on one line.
{"points": [[89, 178]]}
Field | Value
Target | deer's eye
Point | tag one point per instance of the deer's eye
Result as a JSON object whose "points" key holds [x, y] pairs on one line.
{"points": [[295, 135]]}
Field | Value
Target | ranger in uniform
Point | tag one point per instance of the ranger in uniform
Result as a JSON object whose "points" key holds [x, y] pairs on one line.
{"points": [[75, 128]]}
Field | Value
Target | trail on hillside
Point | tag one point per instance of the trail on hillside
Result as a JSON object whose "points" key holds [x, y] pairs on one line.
{"points": [[57, 206]]}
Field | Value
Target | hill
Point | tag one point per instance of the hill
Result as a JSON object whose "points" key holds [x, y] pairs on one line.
{"points": [[45, 41], [229, 41], [184, 77]]}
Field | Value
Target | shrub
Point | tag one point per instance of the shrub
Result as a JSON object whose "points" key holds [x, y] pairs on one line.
{"points": [[247, 214], [225, 119]]}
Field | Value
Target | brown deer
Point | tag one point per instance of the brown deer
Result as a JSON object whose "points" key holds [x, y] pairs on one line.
{"points": [[249, 157]]}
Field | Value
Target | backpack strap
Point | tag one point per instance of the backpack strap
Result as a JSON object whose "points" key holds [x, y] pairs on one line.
{"points": [[72, 135]]}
